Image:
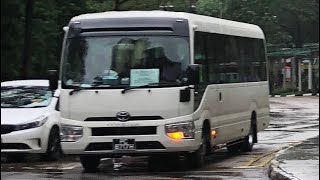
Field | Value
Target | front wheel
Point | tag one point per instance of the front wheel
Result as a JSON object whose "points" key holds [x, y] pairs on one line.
{"points": [[197, 159], [54, 147], [90, 163]]}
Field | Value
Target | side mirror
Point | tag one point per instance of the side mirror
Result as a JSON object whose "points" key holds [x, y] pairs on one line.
{"points": [[193, 74], [53, 79]]}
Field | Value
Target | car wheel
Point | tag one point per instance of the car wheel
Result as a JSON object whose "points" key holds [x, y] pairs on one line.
{"points": [[54, 147], [90, 163]]}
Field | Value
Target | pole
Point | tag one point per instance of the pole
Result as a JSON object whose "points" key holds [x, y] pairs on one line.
{"points": [[294, 74], [310, 76], [299, 78], [284, 61]]}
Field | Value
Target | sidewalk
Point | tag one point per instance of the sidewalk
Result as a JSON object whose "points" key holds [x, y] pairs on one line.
{"points": [[300, 162]]}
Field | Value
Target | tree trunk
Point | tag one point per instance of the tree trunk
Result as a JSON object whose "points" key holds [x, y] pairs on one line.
{"points": [[27, 40]]}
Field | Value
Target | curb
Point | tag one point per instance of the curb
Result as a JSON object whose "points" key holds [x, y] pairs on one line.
{"points": [[294, 95], [276, 173]]}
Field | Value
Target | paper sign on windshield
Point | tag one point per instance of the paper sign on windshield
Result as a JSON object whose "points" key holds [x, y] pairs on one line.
{"points": [[140, 77]]}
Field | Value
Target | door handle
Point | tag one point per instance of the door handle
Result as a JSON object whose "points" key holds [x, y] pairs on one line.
{"points": [[220, 96]]}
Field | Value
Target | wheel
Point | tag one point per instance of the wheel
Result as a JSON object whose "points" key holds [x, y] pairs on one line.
{"points": [[54, 147], [90, 163], [234, 148], [248, 142], [197, 159]]}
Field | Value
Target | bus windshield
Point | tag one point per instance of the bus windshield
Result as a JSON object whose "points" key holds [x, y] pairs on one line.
{"points": [[124, 61]]}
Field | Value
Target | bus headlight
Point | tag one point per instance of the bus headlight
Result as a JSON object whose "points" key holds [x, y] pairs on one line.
{"points": [[179, 131], [70, 133]]}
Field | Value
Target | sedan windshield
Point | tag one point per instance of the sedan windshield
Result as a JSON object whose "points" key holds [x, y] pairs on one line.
{"points": [[25, 96], [121, 62]]}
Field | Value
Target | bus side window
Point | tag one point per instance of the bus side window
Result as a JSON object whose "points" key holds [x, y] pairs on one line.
{"points": [[200, 55]]}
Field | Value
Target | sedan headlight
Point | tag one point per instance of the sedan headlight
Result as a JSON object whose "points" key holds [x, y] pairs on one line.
{"points": [[34, 124], [179, 131], [70, 133]]}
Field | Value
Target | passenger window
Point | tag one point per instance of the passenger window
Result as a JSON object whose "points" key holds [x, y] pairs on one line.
{"points": [[200, 56]]}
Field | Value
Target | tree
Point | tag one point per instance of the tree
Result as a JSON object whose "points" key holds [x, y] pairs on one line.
{"points": [[298, 18], [118, 4], [27, 39], [284, 22], [12, 31]]}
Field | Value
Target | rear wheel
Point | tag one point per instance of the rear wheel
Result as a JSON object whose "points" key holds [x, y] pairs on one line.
{"points": [[248, 142], [252, 137], [90, 163]]}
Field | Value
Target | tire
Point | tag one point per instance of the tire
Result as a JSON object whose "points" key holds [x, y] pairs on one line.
{"points": [[90, 164], [54, 150], [197, 159], [247, 144]]}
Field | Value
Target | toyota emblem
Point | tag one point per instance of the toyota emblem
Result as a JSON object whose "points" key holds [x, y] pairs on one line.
{"points": [[123, 116]]}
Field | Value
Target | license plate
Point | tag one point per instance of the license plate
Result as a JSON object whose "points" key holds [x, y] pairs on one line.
{"points": [[124, 144]]}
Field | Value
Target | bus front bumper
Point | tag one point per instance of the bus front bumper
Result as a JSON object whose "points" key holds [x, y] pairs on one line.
{"points": [[144, 144]]}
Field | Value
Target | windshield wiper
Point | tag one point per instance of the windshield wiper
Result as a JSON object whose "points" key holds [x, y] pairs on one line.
{"points": [[150, 85], [79, 88]]}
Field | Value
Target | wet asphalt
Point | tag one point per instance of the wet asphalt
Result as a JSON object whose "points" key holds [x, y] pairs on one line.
{"points": [[293, 119]]}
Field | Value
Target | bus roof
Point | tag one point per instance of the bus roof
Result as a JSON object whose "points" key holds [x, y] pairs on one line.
{"points": [[199, 22]]}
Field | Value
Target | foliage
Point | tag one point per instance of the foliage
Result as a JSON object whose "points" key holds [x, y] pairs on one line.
{"points": [[287, 22]]}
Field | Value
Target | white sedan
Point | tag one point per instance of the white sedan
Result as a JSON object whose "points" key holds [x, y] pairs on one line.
{"points": [[29, 119]]}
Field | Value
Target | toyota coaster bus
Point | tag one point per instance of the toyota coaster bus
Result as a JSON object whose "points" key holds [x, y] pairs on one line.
{"points": [[157, 83]]}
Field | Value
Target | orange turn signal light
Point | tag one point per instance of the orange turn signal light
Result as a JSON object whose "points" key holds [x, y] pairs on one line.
{"points": [[214, 133], [176, 135]]}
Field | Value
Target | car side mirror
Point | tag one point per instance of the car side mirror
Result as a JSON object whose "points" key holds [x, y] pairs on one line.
{"points": [[193, 74], [53, 79]]}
